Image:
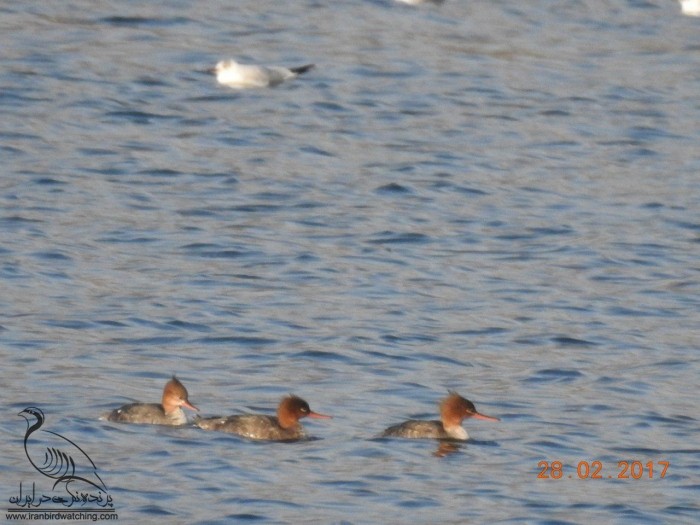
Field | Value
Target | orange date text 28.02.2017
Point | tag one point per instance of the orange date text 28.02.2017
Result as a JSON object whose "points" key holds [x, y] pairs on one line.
{"points": [[595, 470]]}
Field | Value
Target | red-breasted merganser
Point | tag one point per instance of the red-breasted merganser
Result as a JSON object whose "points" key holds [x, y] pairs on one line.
{"points": [[453, 409], [284, 427], [168, 412]]}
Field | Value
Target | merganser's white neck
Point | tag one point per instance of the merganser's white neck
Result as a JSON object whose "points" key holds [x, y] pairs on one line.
{"points": [[457, 432]]}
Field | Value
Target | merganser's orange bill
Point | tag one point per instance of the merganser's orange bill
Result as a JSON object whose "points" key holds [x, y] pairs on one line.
{"points": [[477, 415], [316, 415], [189, 405]]}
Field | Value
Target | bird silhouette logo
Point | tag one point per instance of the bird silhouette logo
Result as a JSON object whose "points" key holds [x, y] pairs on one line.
{"points": [[61, 460]]}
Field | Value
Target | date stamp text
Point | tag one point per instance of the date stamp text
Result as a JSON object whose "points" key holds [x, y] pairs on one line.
{"points": [[597, 470]]}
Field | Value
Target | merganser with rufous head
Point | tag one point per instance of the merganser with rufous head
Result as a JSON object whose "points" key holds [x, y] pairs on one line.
{"points": [[167, 412], [453, 410], [283, 427]]}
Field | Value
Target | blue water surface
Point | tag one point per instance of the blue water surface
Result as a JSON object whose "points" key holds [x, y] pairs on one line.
{"points": [[500, 198]]}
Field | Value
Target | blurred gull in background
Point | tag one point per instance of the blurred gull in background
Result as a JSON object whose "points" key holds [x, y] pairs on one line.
{"points": [[242, 76], [690, 7]]}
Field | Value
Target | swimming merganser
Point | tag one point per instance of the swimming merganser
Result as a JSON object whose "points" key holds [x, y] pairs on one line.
{"points": [[453, 409], [284, 427], [242, 76], [168, 412]]}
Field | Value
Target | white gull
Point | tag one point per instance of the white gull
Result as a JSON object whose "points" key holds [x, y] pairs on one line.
{"points": [[243, 76], [690, 7]]}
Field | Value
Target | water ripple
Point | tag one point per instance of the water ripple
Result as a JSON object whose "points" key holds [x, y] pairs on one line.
{"points": [[432, 207]]}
